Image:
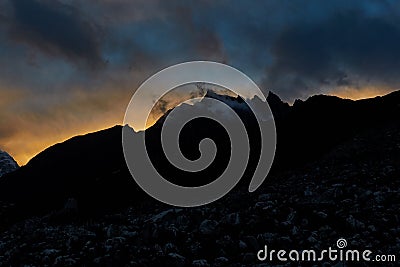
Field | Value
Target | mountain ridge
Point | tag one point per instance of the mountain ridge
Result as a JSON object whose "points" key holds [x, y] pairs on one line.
{"points": [[7, 163], [92, 169]]}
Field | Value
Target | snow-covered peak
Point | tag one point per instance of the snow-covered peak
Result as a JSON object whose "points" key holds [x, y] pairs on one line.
{"points": [[7, 163], [234, 102]]}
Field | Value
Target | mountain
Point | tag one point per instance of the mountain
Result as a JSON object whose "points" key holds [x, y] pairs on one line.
{"points": [[91, 168], [195, 131], [335, 175], [278, 107], [7, 163], [314, 127]]}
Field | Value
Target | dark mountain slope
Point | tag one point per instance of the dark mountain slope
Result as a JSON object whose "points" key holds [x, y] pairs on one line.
{"points": [[91, 168], [320, 123]]}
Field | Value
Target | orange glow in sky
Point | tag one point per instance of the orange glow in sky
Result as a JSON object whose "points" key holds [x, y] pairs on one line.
{"points": [[356, 93], [32, 133]]}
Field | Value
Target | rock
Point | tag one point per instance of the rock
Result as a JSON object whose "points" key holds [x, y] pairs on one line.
{"points": [[268, 237], [170, 248], [354, 223], [312, 240], [128, 234], [158, 250], [264, 197], [73, 242], [165, 215], [208, 227], [176, 259], [200, 263], [49, 252], [111, 231], [64, 261], [221, 261], [291, 216], [251, 242], [249, 258], [115, 241], [308, 192], [100, 260], [295, 230], [322, 215], [182, 221], [379, 197], [242, 245], [285, 240], [232, 219], [260, 204], [195, 248]]}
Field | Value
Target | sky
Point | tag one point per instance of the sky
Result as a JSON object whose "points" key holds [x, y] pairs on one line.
{"points": [[71, 67]]}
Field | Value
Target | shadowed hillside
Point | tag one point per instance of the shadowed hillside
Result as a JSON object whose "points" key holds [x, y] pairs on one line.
{"points": [[336, 175], [91, 168]]}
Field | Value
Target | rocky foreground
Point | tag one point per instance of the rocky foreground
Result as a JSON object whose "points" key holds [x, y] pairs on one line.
{"points": [[351, 193]]}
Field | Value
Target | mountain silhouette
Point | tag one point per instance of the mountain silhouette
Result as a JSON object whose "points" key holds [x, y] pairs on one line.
{"points": [[91, 168], [7, 163]]}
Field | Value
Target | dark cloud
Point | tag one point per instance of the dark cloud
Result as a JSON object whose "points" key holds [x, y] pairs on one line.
{"points": [[203, 41], [347, 49], [57, 29]]}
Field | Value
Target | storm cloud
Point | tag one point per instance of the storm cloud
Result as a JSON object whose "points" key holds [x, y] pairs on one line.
{"points": [[347, 49], [56, 29]]}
